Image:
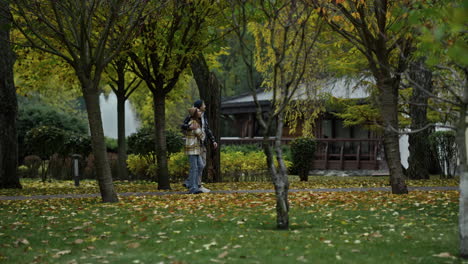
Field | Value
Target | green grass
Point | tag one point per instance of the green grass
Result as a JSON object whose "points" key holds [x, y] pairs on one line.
{"points": [[356, 227], [36, 187]]}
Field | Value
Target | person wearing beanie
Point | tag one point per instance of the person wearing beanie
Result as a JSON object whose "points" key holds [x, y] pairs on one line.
{"points": [[193, 149], [200, 104]]}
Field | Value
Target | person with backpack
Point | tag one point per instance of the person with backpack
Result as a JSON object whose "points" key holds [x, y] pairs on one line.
{"points": [[186, 127]]}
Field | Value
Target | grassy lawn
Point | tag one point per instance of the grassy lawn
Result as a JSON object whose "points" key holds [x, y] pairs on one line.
{"points": [[36, 187], [355, 227]]}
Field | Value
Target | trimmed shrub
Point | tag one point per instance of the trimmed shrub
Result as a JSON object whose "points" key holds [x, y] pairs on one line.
{"points": [[302, 152]]}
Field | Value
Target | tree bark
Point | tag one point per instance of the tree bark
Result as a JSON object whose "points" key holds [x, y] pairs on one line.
{"points": [[279, 176], [122, 143], [8, 105], [388, 104], [419, 146], [210, 91], [103, 170], [462, 142], [159, 101]]}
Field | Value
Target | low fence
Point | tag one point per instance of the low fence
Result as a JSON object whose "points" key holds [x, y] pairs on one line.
{"points": [[334, 153]]}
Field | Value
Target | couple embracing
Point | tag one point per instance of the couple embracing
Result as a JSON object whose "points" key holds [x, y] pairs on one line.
{"points": [[197, 134]]}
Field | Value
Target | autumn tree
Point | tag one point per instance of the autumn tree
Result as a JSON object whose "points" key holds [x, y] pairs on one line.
{"points": [[118, 74], [8, 104], [285, 33], [87, 35], [169, 40], [377, 29]]}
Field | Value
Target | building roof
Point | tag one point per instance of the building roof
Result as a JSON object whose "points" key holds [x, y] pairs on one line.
{"points": [[340, 88]]}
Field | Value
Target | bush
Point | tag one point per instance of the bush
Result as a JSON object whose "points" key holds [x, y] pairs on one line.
{"points": [[245, 148], [111, 145], [142, 142], [302, 154], [235, 166], [140, 167], [444, 147], [33, 114], [76, 144], [178, 166]]}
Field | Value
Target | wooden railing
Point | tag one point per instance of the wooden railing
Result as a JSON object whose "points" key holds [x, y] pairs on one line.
{"points": [[334, 153]]}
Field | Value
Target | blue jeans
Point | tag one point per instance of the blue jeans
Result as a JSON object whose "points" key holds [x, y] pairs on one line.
{"points": [[195, 172]]}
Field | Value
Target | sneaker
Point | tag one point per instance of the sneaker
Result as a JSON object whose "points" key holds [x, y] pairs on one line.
{"points": [[205, 190], [197, 192]]}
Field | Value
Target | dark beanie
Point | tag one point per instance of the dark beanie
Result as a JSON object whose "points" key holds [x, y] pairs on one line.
{"points": [[198, 103]]}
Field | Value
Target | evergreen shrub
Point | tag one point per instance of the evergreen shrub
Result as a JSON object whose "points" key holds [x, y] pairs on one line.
{"points": [[302, 154]]}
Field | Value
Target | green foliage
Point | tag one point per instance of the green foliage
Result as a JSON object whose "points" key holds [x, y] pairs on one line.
{"points": [[142, 142], [178, 166], [443, 145], [442, 30], [45, 141], [354, 112], [234, 164], [141, 167], [244, 148], [302, 152], [175, 141], [76, 144], [111, 144], [33, 113]]}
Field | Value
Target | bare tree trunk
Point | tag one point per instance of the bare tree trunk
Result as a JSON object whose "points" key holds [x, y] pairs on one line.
{"points": [[159, 101], [462, 142], [122, 143], [388, 104], [279, 176], [8, 106], [103, 171], [419, 147], [209, 89]]}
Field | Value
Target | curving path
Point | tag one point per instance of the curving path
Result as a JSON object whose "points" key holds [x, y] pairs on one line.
{"points": [[384, 189]]}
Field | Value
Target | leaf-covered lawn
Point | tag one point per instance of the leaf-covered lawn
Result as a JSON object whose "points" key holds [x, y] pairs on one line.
{"points": [[354, 227], [36, 187]]}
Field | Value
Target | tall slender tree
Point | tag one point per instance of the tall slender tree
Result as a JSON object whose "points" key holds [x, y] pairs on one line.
{"points": [[285, 33], [170, 39], [87, 35], [8, 104], [122, 90]]}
